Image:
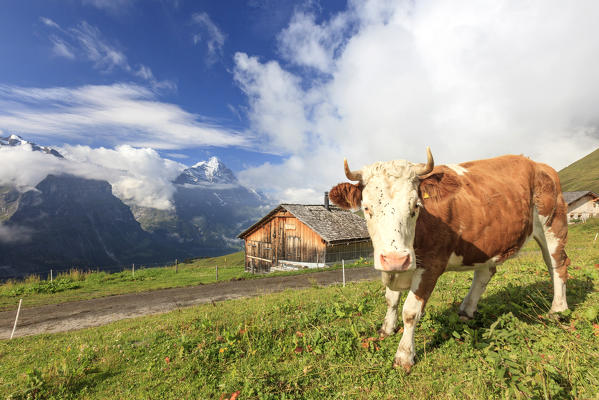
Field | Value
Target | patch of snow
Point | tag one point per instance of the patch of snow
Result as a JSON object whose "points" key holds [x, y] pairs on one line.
{"points": [[222, 202], [212, 171]]}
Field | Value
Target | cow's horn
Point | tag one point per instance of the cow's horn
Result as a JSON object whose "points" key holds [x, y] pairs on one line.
{"points": [[423, 169], [351, 175]]}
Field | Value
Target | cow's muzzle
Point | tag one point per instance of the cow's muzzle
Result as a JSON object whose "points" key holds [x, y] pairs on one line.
{"points": [[395, 261]]}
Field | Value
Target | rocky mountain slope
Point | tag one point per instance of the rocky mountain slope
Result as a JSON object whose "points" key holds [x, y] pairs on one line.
{"points": [[73, 221], [211, 208], [69, 221]]}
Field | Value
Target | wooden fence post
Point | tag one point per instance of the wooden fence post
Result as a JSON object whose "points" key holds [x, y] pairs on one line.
{"points": [[133, 270], [217, 272], [16, 319], [343, 269], [51, 275], [176, 265]]}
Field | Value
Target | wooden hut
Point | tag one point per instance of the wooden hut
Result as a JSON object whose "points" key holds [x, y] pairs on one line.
{"points": [[305, 235]]}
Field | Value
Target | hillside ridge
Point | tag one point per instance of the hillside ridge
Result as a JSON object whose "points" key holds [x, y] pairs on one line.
{"points": [[582, 174]]}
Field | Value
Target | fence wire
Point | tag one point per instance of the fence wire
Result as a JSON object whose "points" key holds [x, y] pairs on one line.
{"points": [[108, 269]]}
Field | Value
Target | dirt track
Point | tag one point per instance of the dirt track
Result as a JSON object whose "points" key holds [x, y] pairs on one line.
{"points": [[95, 312]]}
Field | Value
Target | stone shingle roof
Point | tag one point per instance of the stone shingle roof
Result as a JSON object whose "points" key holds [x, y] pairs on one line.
{"points": [[570, 197], [332, 225]]}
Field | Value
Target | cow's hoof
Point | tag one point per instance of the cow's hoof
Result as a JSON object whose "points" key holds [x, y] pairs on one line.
{"points": [[465, 317], [383, 334], [406, 366], [559, 316]]}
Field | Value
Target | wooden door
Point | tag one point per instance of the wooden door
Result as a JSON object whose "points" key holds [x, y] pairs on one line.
{"points": [[292, 248], [265, 251], [281, 239]]}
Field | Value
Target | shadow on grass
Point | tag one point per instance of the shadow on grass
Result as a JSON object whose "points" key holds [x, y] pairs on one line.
{"points": [[529, 303], [39, 386]]}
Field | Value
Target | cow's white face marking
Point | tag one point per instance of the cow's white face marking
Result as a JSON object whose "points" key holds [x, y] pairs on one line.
{"points": [[390, 203]]}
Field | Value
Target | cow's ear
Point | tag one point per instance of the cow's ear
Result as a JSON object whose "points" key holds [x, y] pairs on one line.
{"points": [[439, 186], [346, 195]]}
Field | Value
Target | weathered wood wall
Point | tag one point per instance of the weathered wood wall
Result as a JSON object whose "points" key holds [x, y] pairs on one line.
{"points": [[583, 208], [282, 237]]}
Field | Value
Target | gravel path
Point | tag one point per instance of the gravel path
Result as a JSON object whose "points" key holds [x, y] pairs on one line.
{"points": [[95, 312]]}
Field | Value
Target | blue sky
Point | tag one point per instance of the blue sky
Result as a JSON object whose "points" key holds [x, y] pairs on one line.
{"points": [[172, 39], [281, 91]]}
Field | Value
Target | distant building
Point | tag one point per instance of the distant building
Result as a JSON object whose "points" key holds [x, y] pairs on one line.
{"points": [[305, 235], [582, 204]]}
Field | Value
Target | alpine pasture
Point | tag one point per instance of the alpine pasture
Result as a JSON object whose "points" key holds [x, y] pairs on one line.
{"points": [[323, 343]]}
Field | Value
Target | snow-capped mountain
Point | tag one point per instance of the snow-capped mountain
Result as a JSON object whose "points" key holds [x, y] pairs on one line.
{"points": [[70, 220], [14, 141], [211, 208], [211, 171]]}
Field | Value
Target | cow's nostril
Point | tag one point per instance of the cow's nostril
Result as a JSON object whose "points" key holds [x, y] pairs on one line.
{"points": [[395, 261]]}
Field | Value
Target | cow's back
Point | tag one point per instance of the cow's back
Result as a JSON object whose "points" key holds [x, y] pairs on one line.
{"points": [[481, 210]]}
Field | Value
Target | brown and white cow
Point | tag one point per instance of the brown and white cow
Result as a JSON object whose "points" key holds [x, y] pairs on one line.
{"points": [[425, 220]]}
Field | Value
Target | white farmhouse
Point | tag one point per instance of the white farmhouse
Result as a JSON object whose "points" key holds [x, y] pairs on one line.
{"points": [[582, 204]]}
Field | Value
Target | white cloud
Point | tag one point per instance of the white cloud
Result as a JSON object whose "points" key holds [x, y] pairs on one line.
{"points": [[85, 41], [96, 49], [276, 100], [61, 48], [472, 80], [119, 113], [109, 5], [14, 234], [306, 43], [176, 155], [211, 35], [137, 175], [49, 22], [144, 72]]}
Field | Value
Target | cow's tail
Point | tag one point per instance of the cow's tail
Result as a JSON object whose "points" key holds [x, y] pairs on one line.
{"points": [[553, 210]]}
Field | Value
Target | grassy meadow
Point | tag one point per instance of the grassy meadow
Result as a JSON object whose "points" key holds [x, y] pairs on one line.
{"points": [[582, 174], [322, 343], [77, 285]]}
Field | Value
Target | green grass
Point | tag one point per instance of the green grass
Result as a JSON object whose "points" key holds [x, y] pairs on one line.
{"points": [[582, 174], [78, 285], [319, 343]]}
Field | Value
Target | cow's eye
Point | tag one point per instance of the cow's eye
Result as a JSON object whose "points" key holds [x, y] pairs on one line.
{"points": [[367, 211], [414, 208]]}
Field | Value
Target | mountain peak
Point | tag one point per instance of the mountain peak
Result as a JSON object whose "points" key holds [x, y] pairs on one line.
{"points": [[213, 163], [15, 140], [211, 171]]}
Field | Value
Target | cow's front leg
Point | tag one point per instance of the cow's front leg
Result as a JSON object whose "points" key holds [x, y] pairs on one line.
{"points": [[422, 286], [392, 298]]}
